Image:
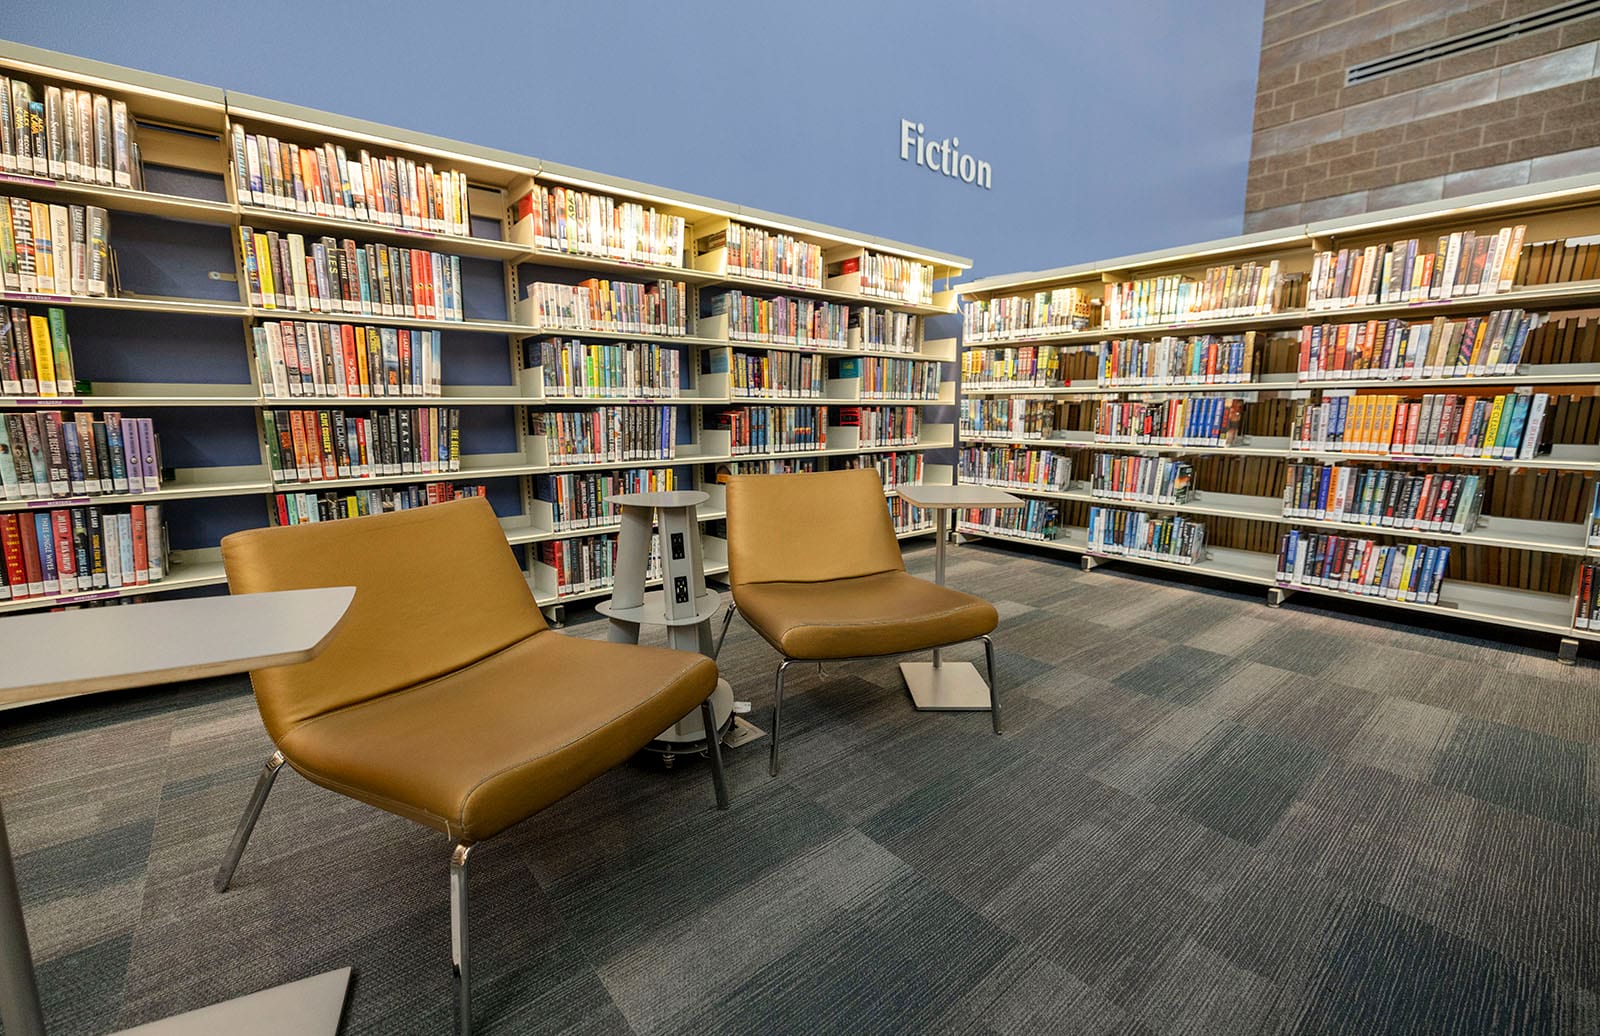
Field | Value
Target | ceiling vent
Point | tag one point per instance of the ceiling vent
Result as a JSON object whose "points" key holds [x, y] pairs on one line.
{"points": [[1559, 14]]}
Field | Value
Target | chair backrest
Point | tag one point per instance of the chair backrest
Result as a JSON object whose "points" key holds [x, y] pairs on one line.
{"points": [[809, 527], [437, 588]]}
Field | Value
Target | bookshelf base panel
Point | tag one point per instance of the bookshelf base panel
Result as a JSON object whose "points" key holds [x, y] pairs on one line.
{"points": [[945, 687], [1567, 654]]}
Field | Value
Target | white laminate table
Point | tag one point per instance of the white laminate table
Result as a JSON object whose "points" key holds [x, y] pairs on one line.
{"points": [[940, 686], [65, 654]]}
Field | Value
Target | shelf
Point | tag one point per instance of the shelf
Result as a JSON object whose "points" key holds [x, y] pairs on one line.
{"points": [[203, 396], [134, 304], [184, 575], [118, 199], [187, 484], [756, 284], [826, 350], [494, 327], [539, 256], [262, 217], [1540, 374]]}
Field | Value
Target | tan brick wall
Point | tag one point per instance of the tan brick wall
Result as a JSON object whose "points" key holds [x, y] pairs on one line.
{"points": [[1519, 112]]}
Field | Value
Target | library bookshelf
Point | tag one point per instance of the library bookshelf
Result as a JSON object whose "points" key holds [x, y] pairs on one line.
{"points": [[1211, 384], [653, 389]]}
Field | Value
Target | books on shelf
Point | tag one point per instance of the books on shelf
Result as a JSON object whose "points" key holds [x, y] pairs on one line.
{"points": [[35, 354], [884, 330], [604, 434], [327, 180], [54, 249], [1552, 262], [1455, 265], [68, 550], [589, 563], [48, 455], [66, 134], [894, 469], [1445, 501], [741, 317], [908, 518], [884, 378], [775, 429], [1202, 360], [1015, 467], [328, 275], [1034, 520], [331, 505], [1593, 538], [581, 500], [622, 370], [1057, 311], [329, 444], [883, 277], [1183, 421], [1174, 538], [1398, 572], [1249, 289], [1399, 349], [597, 304], [770, 374], [766, 255], [1008, 418], [881, 426], [1026, 366], [1141, 479], [1509, 426], [773, 466], [345, 361], [564, 219], [1586, 598]]}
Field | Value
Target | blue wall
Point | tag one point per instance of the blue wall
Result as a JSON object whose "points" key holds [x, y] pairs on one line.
{"points": [[1111, 127]]}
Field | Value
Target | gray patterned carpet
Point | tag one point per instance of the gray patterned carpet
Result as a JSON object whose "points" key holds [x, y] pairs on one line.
{"points": [[1206, 817]]}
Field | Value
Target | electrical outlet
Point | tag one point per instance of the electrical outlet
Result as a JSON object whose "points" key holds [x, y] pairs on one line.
{"points": [[677, 546], [680, 589]]}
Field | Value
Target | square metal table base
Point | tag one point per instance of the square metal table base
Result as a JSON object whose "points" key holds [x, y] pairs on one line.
{"points": [[951, 687]]}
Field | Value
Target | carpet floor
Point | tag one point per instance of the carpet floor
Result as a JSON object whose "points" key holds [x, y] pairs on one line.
{"points": [[1205, 817]]}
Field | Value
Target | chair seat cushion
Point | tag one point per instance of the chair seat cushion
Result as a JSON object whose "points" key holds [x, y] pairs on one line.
{"points": [[882, 614], [480, 749]]}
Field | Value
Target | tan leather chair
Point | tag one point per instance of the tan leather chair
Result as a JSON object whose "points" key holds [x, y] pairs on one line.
{"points": [[445, 698], [816, 570]]}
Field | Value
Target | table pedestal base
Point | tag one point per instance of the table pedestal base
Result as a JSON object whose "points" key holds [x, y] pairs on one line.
{"points": [[949, 687]]}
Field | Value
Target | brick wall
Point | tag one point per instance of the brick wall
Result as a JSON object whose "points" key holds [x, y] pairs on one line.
{"points": [[1518, 112]]}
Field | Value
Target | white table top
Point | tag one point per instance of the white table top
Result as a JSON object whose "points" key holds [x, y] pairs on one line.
{"points": [[958, 496], [63, 654], [662, 498]]}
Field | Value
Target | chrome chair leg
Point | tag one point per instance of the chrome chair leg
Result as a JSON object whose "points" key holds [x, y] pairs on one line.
{"points": [[247, 823], [459, 949], [777, 711], [727, 620], [708, 717], [994, 688]]}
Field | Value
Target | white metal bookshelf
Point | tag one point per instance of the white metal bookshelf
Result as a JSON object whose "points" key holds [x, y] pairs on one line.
{"points": [[201, 120], [1556, 210]]}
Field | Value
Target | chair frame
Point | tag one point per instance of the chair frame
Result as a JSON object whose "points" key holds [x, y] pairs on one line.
{"points": [[459, 856], [783, 667]]}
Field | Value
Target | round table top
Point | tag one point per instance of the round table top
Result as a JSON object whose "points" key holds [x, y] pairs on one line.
{"points": [[670, 498]]}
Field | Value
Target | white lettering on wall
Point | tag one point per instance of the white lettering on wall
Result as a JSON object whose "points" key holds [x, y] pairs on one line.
{"points": [[943, 156]]}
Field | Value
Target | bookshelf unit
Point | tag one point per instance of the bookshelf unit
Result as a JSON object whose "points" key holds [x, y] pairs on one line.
{"points": [[1053, 371], [168, 345]]}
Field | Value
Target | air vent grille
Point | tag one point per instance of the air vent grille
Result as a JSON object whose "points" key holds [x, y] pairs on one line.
{"points": [[1559, 14]]}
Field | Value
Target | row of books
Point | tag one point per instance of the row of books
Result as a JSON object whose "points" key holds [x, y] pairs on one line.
{"points": [[76, 549], [1008, 418], [349, 361], [784, 320], [884, 277], [580, 500], [626, 370], [35, 354], [596, 304], [1056, 311], [324, 445], [589, 563], [772, 374], [327, 506], [894, 469], [1586, 608], [775, 429], [1113, 530], [886, 330], [1398, 349], [1203, 360], [1551, 262], [1015, 467], [1397, 572], [1462, 263], [883, 425], [565, 219], [892, 379], [47, 455], [1034, 520], [1438, 424], [333, 276], [1224, 291], [605, 434], [1141, 479], [54, 249], [1184, 421], [766, 255], [1446, 501], [1594, 517], [1026, 366], [326, 180], [64, 134], [907, 518]]}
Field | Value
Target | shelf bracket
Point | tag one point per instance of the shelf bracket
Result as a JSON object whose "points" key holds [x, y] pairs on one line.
{"points": [[1089, 562], [1568, 653], [1276, 595], [555, 615]]}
